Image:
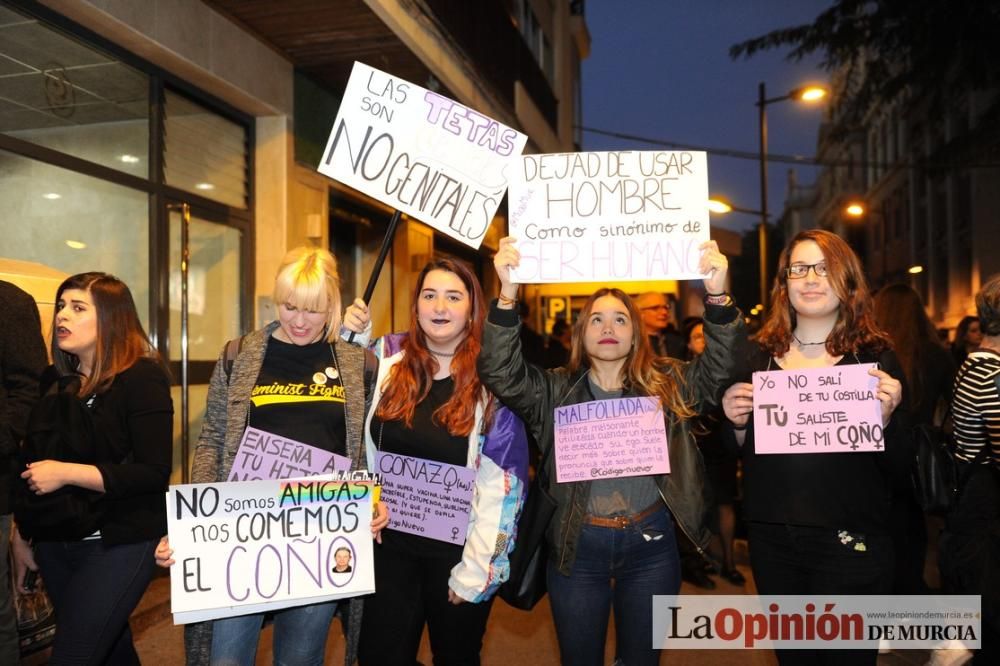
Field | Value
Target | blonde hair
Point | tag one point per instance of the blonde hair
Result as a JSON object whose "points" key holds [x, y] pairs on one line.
{"points": [[307, 278]]}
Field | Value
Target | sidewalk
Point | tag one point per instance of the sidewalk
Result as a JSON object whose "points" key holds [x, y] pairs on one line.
{"points": [[514, 637]]}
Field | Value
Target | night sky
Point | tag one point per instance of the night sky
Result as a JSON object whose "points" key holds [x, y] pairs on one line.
{"points": [[661, 69]]}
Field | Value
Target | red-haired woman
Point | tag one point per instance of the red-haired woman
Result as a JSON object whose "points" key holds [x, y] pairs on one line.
{"points": [[818, 522], [96, 579], [429, 403], [615, 529]]}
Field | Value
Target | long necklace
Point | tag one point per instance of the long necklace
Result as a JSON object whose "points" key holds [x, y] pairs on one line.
{"points": [[807, 344]]}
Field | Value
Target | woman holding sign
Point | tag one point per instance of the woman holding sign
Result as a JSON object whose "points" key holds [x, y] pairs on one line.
{"points": [[433, 421], [294, 379], [619, 527], [98, 563], [818, 520]]}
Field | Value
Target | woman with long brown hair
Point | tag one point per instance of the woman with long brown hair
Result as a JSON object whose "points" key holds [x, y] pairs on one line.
{"points": [[95, 578], [818, 522], [429, 403], [929, 370], [612, 543]]}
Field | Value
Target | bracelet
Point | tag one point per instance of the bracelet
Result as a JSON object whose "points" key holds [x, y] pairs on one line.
{"points": [[503, 300], [721, 293], [718, 299]]}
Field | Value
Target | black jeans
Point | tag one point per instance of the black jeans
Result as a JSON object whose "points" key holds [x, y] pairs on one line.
{"points": [[970, 551], [412, 590], [94, 588], [790, 559]]}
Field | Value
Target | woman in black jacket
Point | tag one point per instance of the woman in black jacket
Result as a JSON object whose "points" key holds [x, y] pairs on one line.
{"points": [[819, 522], [615, 529], [96, 581]]}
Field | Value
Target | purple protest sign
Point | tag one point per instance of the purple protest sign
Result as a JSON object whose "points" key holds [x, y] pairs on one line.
{"points": [[263, 455], [606, 439], [426, 497], [817, 410]]}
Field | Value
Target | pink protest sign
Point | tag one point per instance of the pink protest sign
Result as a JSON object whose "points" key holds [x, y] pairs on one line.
{"points": [[426, 497], [606, 439], [263, 455], [818, 410]]}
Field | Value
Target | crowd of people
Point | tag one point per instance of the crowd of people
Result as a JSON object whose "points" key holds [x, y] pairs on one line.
{"points": [[469, 384]]}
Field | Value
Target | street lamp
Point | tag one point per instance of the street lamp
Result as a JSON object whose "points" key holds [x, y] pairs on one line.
{"points": [[858, 211], [804, 94]]}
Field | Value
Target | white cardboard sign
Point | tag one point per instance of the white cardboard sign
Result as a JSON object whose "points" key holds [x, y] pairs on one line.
{"points": [[422, 153], [610, 216]]}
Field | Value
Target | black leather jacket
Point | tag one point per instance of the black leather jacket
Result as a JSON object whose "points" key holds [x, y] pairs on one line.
{"points": [[533, 394]]}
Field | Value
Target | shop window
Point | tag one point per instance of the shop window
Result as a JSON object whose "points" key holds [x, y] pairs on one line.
{"points": [[65, 95], [204, 153], [73, 223]]}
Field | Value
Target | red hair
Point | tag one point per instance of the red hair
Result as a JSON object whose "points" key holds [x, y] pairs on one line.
{"points": [[410, 380], [855, 329]]}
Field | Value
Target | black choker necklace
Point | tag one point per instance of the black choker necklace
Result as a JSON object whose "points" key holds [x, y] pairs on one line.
{"points": [[441, 354], [807, 344]]}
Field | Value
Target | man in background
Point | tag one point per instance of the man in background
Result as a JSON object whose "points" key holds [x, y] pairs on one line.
{"points": [[557, 349], [663, 337], [22, 359]]}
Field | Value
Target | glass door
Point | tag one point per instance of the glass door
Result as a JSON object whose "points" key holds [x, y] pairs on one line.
{"points": [[206, 280]]}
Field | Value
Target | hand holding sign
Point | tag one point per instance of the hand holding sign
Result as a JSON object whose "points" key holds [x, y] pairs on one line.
{"points": [[890, 393], [737, 403], [506, 258], [714, 265]]}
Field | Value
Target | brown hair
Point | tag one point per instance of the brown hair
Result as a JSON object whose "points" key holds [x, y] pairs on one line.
{"points": [[410, 380], [640, 371], [900, 313], [121, 341], [855, 328]]}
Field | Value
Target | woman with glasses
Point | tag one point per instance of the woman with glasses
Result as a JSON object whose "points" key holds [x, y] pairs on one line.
{"points": [[818, 522]]}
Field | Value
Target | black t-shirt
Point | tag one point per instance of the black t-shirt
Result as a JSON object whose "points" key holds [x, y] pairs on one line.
{"points": [[849, 491], [299, 394], [428, 440]]}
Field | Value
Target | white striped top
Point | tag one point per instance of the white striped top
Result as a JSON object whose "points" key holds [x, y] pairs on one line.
{"points": [[976, 407]]}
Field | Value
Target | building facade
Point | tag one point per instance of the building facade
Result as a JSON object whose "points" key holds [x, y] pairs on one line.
{"points": [[174, 143], [929, 181]]}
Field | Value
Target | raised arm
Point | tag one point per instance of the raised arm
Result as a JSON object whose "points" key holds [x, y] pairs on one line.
{"points": [[522, 386]]}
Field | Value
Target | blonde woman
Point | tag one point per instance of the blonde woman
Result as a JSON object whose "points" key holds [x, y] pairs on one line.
{"points": [[301, 347]]}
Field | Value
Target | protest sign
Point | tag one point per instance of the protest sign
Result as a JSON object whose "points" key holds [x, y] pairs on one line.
{"points": [[263, 455], [605, 217], [263, 545], [426, 497], [419, 152], [605, 439], [817, 410]]}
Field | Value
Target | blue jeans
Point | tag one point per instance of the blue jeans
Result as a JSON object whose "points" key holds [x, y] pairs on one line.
{"points": [[94, 588], [642, 560], [299, 636]]}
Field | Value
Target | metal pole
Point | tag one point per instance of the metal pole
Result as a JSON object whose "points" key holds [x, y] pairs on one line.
{"points": [[390, 234], [762, 234], [185, 389]]}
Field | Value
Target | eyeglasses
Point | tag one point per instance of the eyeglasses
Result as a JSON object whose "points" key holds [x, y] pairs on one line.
{"points": [[798, 271], [665, 308]]}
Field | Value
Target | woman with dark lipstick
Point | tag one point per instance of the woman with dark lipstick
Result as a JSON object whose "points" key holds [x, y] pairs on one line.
{"points": [[618, 530]]}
